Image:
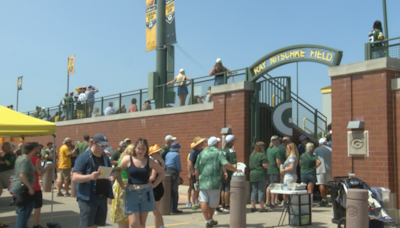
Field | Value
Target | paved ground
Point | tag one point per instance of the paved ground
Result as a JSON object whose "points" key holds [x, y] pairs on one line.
{"points": [[66, 212]]}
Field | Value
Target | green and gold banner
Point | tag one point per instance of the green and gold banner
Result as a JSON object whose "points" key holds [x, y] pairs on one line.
{"points": [[170, 21], [19, 83], [151, 16]]}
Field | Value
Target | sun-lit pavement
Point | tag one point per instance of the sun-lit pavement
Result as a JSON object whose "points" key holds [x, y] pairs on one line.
{"points": [[66, 212]]}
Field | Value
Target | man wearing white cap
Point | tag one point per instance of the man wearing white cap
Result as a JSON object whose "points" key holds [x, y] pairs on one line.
{"points": [[218, 70], [208, 165], [181, 79], [324, 154], [169, 139]]}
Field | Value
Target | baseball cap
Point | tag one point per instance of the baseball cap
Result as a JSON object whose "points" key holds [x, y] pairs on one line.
{"points": [[274, 138], [127, 139], [219, 60], [101, 139], [213, 140], [181, 70], [169, 138], [229, 138], [122, 144], [67, 140], [303, 137], [322, 141]]}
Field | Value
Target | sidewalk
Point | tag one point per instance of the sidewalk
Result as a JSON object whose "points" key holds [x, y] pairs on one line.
{"points": [[66, 212]]}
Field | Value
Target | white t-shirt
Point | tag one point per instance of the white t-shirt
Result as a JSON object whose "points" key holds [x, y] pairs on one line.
{"points": [[109, 111], [82, 98]]}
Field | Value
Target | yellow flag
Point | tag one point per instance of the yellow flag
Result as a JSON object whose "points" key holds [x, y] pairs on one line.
{"points": [[71, 64], [151, 13]]}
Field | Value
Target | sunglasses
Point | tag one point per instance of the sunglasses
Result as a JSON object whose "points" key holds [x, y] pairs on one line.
{"points": [[101, 145]]}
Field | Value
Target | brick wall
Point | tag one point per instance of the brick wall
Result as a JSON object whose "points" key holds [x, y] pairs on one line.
{"points": [[365, 97], [230, 109]]}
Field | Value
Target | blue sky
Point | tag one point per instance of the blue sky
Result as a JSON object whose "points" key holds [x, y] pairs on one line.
{"points": [[108, 39]]}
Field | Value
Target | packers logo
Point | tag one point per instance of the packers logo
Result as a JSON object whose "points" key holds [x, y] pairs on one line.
{"points": [[282, 118], [169, 11]]}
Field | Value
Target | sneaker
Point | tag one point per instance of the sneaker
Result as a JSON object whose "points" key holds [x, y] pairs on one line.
{"points": [[218, 211], [214, 222], [197, 203], [263, 210], [323, 204], [60, 194], [177, 212], [194, 207], [67, 195], [253, 209], [272, 206], [188, 204], [226, 210], [209, 224], [277, 202]]}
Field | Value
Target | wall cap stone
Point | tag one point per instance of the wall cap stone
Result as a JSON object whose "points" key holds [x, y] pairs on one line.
{"points": [[237, 86], [364, 66], [141, 114]]}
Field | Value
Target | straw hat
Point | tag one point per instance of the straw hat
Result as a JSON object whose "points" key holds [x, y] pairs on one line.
{"points": [[197, 141], [154, 149]]}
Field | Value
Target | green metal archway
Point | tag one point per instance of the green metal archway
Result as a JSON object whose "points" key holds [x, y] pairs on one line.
{"points": [[296, 53]]}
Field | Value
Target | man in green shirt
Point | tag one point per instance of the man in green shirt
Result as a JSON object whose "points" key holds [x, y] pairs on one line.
{"points": [[230, 156], [6, 166], [208, 170], [116, 154], [47, 153], [273, 172], [169, 139], [82, 146]]}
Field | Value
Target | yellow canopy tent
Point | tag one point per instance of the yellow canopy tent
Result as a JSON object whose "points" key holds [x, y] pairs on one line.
{"points": [[16, 124]]}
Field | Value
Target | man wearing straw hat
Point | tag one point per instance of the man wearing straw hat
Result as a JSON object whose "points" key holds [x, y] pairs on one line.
{"points": [[198, 145]]}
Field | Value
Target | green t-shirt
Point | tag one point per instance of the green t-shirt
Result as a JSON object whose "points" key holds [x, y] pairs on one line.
{"points": [[376, 34], [115, 155], [9, 161], [124, 174], [257, 171], [166, 150], [25, 166], [282, 152], [230, 156], [209, 163], [46, 154], [68, 101], [82, 146], [273, 154], [308, 161]]}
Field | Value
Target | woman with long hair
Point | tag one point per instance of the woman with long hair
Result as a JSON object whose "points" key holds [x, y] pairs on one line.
{"points": [[258, 175], [374, 36], [117, 213], [181, 79], [289, 171], [158, 191], [218, 70], [139, 197], [308, 164]]}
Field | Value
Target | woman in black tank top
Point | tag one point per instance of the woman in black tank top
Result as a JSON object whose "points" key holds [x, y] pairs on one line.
{"points": [[158, 191], [139, 197]]}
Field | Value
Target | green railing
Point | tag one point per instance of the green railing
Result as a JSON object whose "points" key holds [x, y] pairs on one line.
{"points": [[197, 88], [390, 48]]}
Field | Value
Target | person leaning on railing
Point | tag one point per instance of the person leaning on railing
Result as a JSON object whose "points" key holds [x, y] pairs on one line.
{"points": [[377, 35], [218, 70], [180, 79]]}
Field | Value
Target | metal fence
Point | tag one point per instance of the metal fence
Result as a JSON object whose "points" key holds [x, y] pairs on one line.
{"points": [[390, 48]]}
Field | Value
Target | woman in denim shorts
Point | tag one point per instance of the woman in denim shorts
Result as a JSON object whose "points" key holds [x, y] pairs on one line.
{"points": [[308, 164], [139, 197]]}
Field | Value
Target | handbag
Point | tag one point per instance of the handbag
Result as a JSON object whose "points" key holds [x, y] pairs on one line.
{"points": [[23, 197]]}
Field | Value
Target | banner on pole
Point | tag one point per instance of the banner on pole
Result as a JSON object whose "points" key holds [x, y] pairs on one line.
{"points": [[19, 83], [170, 21], [151, 20], [71, 64]]}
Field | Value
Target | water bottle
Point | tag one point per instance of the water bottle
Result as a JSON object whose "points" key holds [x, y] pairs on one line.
{"points": [[285, 186]]}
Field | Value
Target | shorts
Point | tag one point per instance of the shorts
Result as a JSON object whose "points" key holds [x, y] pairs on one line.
{"points": [[219, 80], [4, 177], [89, 108], [210, 196], [79, 112], [308, 178], [182, 89], [93, 212], [323, 178], [139, 200], [65, 175], [273, 179], [289, 179], [38, 199], [158, 192], [192, 181], [226, 187]]}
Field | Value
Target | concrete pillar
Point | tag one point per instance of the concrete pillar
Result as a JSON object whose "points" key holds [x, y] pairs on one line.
{"points": [[73, 186], [47, 179], [357, 208], [238, 202], [165, 202]]}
